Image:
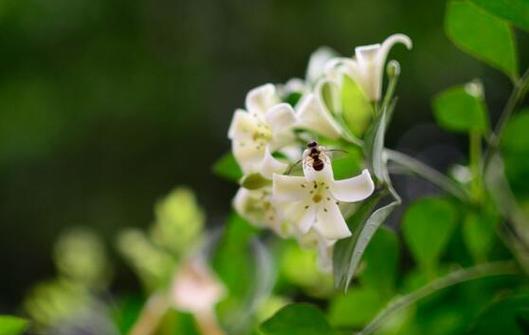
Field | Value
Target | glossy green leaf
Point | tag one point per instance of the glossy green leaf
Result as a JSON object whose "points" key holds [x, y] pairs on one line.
{"points": [[482, 35], [381, 258], [461, 109], [507, 316], [11, 325], [427, 227], [347, 164], [356, 108], [515, 11], [234, 263], [479, 234], [227, 168], [348, 252], [365, 222], [355, 308], [297, 319], [516, 135]]}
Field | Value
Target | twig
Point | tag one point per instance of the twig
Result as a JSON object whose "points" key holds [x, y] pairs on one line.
{"points": [[428, 173]]}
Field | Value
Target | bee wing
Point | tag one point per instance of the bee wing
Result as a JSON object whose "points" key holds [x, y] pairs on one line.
{"points": [[295, 169], [336, 153]]}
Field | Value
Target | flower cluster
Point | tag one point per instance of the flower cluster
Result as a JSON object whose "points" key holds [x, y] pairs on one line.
{"points": [[282, 127]]}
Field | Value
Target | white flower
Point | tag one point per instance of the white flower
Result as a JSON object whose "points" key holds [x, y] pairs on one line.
{"points": [[313, 199], [324, 247], [195, 289], [256, 207], [312, 114], [368, 64], [263, 128], [317, 61]]}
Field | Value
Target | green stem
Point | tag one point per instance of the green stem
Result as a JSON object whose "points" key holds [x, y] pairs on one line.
{"points": [[453, 278], [475, 165], [414, 166], [519, 91]]}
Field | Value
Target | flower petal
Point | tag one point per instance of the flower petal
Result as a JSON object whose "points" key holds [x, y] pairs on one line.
{"points": [[353, 189], [371, 60], [261, 98], [248, 156], [303, 217], [242, 126], [289, 188], [270, 165], [318, 60], [324, 175], [330, 222], [195, 288], [313, 115], [280, 117]]}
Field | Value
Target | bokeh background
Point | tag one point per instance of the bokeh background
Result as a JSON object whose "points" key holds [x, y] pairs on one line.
{"points": [[106, 105]]}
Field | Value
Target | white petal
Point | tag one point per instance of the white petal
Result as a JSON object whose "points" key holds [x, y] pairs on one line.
{"points": [[261, 98], [325, 253], [317, 62], [243, 202], [280, 117], [330, 222], [324, 175], [353, 189], [371, 60], [303, 216], [242, 126], [270, 165], [248, 156], [313, 115], [289, 188], [391, 41], [195, 288]]}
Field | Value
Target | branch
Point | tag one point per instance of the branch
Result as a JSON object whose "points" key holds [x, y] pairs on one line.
{"points": [[428, 173]]}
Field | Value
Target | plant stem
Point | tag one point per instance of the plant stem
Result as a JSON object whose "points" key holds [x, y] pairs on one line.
{"points": [[414, 166], [475, 165], [453, 278], [519, 91], [150, 316]]}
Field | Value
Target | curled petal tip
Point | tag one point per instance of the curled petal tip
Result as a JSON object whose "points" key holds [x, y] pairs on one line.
{"points": [[400, 38]]}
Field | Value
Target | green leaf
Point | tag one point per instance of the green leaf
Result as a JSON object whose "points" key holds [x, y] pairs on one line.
{"points": [[126, 312], [227, 168], [516, 11], [11, 325], [504, 317], [348, 164], [381, 257], [374, 146], [482, 35], [297, 319], [461, 109], [479, 234], [348, 252], [356, 308], [516, 137], [356, 108], [427, 227]]}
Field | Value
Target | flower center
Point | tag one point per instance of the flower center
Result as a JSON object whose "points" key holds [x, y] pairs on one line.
{"points": [[316, 198], [262, 133]]}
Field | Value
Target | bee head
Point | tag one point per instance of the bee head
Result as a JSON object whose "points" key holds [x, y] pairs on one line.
{"points": [[312, 144]]}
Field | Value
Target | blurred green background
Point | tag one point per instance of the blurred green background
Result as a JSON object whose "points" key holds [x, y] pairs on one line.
{"points": [[106, 105]]}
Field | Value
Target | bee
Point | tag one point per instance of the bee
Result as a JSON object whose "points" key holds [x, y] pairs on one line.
{"points": [[317, 163], [315, 157]]}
